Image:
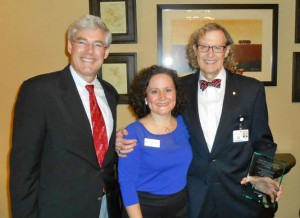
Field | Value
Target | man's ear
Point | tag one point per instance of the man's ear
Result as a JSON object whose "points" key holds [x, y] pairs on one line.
{"points": [[106, 53], [69, 46]]}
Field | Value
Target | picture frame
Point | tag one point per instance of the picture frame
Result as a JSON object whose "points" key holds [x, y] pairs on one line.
{"points": [[297, 22], [256, 23], [119, 16], [296, 77], [119, 70]]}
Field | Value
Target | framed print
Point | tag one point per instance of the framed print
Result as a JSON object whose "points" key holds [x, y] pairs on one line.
{"points": [[119, 16], [119, 70], [253, 27], [296, 77], [297, 22]]}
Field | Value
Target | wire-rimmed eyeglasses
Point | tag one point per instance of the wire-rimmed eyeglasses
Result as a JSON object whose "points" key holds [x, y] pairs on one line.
{"points": [[83, 44], [215, 49]]}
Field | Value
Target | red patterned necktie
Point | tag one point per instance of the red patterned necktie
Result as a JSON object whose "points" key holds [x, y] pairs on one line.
{"points": [[215, 83], [99, 128]]}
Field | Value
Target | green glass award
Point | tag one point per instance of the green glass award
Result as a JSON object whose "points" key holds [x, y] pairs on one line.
{"points": [[262, 172]]}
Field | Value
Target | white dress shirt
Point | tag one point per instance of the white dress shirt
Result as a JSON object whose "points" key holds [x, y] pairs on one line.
{"points": [[210, 104], [106, 112], [101, 100]]}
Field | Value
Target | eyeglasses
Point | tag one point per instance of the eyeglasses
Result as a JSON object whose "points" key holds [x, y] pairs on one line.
{"points": [[215, 49], [84, 44]]}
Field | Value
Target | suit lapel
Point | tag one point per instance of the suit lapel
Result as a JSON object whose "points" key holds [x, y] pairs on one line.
{"points": [[191, 113], [80, 124]]}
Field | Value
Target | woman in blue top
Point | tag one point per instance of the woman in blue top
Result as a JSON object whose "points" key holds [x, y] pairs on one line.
{"points": [[153, 176]]}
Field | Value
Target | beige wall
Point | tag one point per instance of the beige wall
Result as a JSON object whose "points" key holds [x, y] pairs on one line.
{"points": [[32, 42]]}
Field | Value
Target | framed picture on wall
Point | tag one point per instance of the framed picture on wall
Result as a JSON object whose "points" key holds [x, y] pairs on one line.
{"points": [[119, 70], [296, 77], [297, 22], [119, 16], [253, 27]]}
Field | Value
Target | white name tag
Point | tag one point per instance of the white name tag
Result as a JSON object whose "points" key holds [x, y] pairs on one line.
{"points": [[152, 143], [241, 135]]}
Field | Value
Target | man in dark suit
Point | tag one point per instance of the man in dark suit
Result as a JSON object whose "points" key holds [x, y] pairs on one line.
{"points": [[54, 167], [231, 124], [227, 117]]}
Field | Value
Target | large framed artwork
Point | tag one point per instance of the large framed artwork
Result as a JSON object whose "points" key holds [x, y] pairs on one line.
{"points": [[296, 77], [119, 16], [119, 70], [253, 27]]}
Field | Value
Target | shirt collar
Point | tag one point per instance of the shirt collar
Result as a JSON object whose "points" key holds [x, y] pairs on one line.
{"points": [[80, 81], [221, 75]]}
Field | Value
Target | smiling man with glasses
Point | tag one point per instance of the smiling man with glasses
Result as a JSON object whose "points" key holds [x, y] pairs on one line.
{"points": [[228, 104], [63, 162]]}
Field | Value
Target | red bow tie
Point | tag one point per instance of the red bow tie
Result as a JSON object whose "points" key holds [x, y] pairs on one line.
{"points": [[215, 83]]}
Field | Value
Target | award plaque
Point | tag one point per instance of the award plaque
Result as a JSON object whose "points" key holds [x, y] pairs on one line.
{"points": [[262, 166]]}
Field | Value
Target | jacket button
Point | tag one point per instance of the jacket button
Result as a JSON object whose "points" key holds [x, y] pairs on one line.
{"points": [[99, 198], [211, 160]]}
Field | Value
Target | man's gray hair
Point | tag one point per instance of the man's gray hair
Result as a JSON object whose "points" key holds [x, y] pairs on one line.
{"points": [[89, 22]]}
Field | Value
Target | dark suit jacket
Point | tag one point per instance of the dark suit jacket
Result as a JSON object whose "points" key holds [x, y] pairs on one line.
{"points": [[54, 168], [228, 162]]}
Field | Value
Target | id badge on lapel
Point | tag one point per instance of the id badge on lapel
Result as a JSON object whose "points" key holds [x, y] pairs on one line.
{"points": [[241, 135]]}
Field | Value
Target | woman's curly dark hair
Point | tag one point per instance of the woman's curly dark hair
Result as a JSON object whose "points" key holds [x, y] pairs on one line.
{"points": [[140, 83]]}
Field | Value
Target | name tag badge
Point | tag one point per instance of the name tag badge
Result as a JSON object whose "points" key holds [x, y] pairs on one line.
{"points": [[241, 135], [152, 143]]}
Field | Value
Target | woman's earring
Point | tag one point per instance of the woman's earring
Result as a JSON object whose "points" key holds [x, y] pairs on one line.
{"points": [[146, 103]]}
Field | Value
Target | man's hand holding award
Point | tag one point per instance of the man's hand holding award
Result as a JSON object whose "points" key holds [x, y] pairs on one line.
{"points": [[262, 183]]}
